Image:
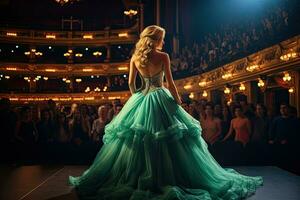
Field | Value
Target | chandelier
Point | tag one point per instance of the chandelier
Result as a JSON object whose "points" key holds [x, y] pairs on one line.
{"points": [[64, 2]]}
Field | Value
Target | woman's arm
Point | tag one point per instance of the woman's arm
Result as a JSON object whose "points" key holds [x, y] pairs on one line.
{"points": [[132, 76], [170, 82], [249, 129], [230, 131]]}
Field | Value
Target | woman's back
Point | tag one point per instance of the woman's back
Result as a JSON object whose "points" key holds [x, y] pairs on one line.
{"points": [[154, 66]]}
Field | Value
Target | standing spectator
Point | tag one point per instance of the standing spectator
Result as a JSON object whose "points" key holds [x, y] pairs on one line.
{"points": [[26, 131], [225, 120], [45, 127], [283, 127], [241, 126], [78, 129], [99, 124], [211, 125], [260, 125], [61, 129]]}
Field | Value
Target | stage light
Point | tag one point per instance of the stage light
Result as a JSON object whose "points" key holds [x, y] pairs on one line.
{"points": [[242, 87], [51, 36], [122, 68], [291, 90], [11, 68], [286, 77], [226, 90], [123, 34], [191, 96], [12, 34], [87, 36], [50, 70], [187, 87]]}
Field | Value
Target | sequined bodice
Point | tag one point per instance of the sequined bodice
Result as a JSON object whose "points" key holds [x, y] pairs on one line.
{"points": [[152, 83]]}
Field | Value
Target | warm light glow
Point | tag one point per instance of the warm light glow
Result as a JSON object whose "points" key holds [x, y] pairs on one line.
{"points": [[78, 55], [187, 87], [97, 89], [33, 50], [97, 53], [291, 90], [130, 12], [287, 56], [227, 75], [87, 70], [45, 78], [89, 98], [87, 36], [286, 77], [14, 99], [78, 98], [50, 70], [67, 54], [11, 68], [204, 94], [7, 77], [64, 79], [51, 36], [12, 34], [38, 53], [26, 78], [123, 35], [229, 102], [68, 81], [88, 89], [191, 96], [227, 90], [122, 68], [242, 87], [251, 68], [27, 53], [202, 84], [260, 83], [78, 80], [112, 98]]}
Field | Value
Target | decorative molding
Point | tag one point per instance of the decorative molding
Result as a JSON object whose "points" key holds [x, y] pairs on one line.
{"points": [[268, 61]]}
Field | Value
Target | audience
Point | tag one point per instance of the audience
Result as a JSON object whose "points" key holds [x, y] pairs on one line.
{"points": [[67, 139], [233, 41]]}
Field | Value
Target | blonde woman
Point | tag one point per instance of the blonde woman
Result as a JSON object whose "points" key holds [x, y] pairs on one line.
{"points": [[152, 148]]}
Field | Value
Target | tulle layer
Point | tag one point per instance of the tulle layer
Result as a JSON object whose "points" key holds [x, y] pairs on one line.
{"points": [[153, 149]]}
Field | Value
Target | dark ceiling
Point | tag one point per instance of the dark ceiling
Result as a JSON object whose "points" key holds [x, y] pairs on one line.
{"points": [[47, 14]]}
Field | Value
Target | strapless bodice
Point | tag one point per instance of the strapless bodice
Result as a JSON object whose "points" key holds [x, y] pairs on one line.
{"points": [[151, 83]]}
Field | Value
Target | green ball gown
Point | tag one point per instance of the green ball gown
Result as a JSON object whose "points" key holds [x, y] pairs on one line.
{"points": [[153, 149]]}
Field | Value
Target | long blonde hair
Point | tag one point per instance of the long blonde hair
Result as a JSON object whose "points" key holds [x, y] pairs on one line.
{"points": [[150, 36]]}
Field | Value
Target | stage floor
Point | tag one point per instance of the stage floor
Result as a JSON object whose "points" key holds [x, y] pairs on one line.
{"points": [[50, 182]]}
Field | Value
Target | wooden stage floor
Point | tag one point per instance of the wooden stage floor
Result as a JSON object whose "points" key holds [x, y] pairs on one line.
{"points": [[50, 182]]}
